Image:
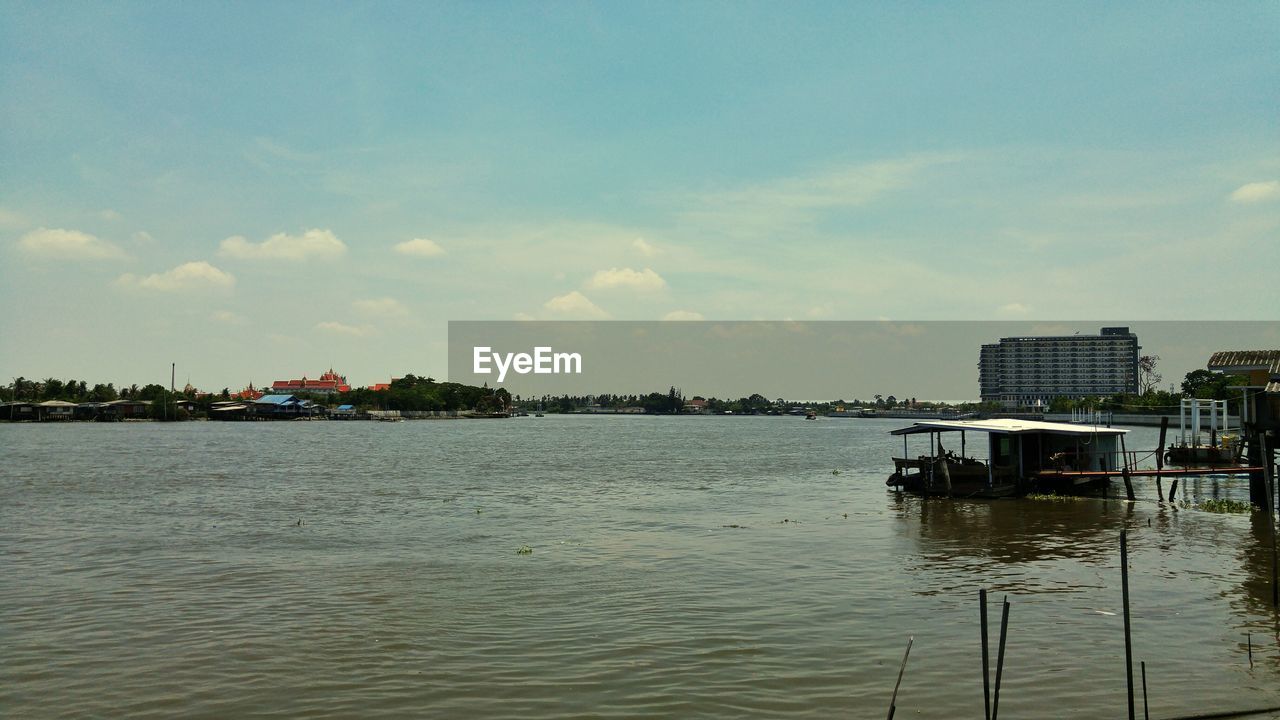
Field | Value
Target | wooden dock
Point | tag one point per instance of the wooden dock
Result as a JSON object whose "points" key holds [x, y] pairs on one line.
{"points": [[1167, 472]]}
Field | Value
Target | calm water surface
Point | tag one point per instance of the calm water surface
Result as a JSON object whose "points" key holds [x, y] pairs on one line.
{"points": [[370, 570]]}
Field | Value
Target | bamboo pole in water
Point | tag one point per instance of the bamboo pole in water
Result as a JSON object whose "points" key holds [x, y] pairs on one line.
{"points": [[1004, 627], [1146, 713], [1124, 591], [986, 661], [893, 702]]}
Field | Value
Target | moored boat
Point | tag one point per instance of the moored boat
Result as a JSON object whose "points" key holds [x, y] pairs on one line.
{"points": [[1021, 456]]}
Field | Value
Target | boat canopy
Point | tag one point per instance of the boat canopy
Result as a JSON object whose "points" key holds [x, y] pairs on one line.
{"points": [[1005, 426]]}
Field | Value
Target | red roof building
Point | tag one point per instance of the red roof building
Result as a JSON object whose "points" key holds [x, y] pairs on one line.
{"points": [[249, 393], [328, 383]]}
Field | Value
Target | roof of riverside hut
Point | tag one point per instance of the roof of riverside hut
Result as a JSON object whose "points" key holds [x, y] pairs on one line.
{"points": [[1006, 426]]}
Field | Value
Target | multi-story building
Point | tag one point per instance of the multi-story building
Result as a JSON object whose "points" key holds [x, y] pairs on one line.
{"points": [[1022, 372]]}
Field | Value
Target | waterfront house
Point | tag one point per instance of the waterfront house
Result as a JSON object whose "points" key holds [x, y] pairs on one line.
{"points": [[89, 410], [113, 410], [696, 406], [344, 412], [283, 407], [18, 411], [229, 410], [129, 409], [1262, 388], [55, 410]]}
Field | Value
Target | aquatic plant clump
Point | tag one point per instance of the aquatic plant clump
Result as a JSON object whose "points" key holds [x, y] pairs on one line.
{"points": [[524, 550], [1218, 506], [1050, 497]]}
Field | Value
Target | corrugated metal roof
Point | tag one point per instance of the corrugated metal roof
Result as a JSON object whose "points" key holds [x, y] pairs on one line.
{"points": [[274, 399], [1005, 426], [1273, 387], [1246, 360]]}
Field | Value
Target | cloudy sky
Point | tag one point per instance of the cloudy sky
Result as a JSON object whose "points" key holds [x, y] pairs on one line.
{"points": [[262, 190]]}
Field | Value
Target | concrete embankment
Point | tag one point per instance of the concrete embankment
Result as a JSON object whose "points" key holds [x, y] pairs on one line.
{"points": [[1137, 419]]}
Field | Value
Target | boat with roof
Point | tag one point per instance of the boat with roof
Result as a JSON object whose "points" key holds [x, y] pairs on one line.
{"points": [[1013, 458]]}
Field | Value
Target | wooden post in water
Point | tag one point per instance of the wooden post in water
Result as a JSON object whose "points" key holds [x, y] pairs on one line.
{"points": [[946, 472], [1004, 627], [893, 702], [986, 662], [1124, 591], [1164, 428], [1124, 471], [1270, 481]]}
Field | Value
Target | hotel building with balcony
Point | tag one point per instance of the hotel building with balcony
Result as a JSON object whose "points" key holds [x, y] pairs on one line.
{"points": [[1029, 372]]}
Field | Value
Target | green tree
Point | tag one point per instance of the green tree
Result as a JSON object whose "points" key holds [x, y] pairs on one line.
{"points": [[1211, 385]]}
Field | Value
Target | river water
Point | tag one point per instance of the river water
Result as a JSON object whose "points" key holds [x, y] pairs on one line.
{"points": [[711, 567]]}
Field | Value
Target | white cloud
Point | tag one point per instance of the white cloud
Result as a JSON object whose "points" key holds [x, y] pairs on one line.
{"points": [[575, 305], [1257, 192], [645, 279], [318, 244], [1014, 308], [338, 328], [381, 307], [142, 237], [192, 276], [644, 248], [226, 317], [11, 220], [420, 247], [785, 201], [59, 244], [682, 315]]}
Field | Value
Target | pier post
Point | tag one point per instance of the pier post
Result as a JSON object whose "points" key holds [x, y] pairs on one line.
{"points": [[1269, 479], [946, 472], [1124, 471], [986, 663], [1124, 590], [1164, 429], [1004, 630], [1258, 494]]}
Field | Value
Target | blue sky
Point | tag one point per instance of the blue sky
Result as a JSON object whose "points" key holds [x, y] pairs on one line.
{"points": [[261, 190]]}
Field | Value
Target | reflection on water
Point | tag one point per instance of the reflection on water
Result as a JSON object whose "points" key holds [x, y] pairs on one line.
{"points": [[1257, 559], [1012, 530], [370, 570]]}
